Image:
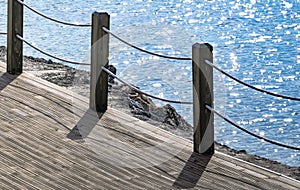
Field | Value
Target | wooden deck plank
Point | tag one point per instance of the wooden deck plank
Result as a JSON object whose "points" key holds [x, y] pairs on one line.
{"points": [[58, 162], [39, 170], [40, 147]]}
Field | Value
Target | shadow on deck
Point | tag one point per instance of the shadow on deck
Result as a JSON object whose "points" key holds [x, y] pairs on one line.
{"points": [[6, 79], [192, 171]]}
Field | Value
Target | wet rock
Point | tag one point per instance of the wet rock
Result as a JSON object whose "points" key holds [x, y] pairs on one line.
{"points": [[172, 117], [2, 50], [49, 61], [146, 110], [242, 152], [2, 53], [137, 108], [139, 104], [112, 69], [135, 105]]}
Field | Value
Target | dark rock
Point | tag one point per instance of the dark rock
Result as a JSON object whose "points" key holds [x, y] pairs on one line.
{"points": [[135, 104], [3, 50], [172, 117], [242, 152], [138, 108], [112, 69], [49, 61]]}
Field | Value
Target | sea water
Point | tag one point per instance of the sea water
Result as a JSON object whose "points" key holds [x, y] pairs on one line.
{"points": [[255, 41]]}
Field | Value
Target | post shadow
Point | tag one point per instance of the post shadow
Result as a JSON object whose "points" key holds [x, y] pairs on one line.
{"points": [[85, 125], [6, 79], [192, 171]]}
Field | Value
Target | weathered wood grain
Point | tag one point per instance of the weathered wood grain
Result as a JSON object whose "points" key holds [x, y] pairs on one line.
{"points": [[99, 59], [202, 96], [14, 45]]}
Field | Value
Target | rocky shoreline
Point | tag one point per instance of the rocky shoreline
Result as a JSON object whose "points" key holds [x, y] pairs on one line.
{"points": [[142, 107]]}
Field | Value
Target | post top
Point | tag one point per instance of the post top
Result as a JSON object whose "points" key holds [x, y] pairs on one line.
{"points": [[100, 13], [204, 45]]}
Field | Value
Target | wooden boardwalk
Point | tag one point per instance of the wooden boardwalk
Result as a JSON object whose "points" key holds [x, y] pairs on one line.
{"points": [[50, 140]]}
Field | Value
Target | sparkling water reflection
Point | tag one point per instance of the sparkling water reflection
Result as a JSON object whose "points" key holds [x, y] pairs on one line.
{"points": [[256, 41]]}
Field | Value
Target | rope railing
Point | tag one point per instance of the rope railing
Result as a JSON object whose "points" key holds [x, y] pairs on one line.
{"points": [[103, 20], [45, 53], [143, 50], [3, 33], [249, 132], [250, 86], [52, 19], [141, 92]]}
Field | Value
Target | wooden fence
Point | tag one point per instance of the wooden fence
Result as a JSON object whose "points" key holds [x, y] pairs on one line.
{"points": [[202, 73]]}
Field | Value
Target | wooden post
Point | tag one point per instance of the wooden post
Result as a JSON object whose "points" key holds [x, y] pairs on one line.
{"points": [[99, 58], [14, 45], [202, 96]]}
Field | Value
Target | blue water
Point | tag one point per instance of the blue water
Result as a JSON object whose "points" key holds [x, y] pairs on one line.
{"points": [[256, 41]]}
